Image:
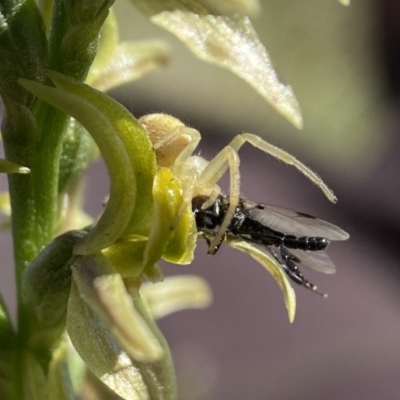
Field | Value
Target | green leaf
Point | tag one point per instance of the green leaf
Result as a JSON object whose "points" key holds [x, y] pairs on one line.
{"points": [[9, 167], [77, 152], [79, 47], [86, 10], [74, 35], [23, 49], [45, 289], [126, 149], [108, 41]]}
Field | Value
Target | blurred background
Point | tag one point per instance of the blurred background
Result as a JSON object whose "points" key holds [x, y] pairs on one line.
{"points": [[344, 66]]}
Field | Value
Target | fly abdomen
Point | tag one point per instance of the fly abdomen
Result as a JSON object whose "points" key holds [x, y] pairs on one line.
{"points": [[305, 242]]}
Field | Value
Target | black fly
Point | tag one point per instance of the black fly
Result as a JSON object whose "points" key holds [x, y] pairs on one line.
{"points": [[277, 230]]}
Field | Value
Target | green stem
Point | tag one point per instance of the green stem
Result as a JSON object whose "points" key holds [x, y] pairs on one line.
{"points": [[34, 197], [34, 202]]}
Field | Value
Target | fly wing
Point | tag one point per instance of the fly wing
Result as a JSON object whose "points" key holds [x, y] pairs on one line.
{"points": [[292, 222], [317, 260]]}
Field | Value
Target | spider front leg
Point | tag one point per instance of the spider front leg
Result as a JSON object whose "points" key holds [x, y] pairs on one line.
{"points": [[226, 158], [239, 140]]}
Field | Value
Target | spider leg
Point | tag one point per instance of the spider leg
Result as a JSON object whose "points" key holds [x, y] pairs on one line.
{"points": [[226, 158], [188, 150], [239, 140], [208, 240]]}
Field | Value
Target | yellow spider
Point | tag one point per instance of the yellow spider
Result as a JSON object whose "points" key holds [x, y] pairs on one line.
{"points": [[174, 144]]}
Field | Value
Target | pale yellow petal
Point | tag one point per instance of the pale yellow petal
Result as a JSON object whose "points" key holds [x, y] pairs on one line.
{"points": [[231, 42], [129, 61], [5, 206], [272, 266], [108, 360], [176, 293], [103, 290]]}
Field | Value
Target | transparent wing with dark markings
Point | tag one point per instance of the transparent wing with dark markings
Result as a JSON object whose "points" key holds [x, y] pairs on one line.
{"points": [[292, 222], [317, 260]]}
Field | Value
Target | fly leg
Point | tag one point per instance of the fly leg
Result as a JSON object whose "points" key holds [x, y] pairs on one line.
{"points": [[210, 239], [288, 263]]}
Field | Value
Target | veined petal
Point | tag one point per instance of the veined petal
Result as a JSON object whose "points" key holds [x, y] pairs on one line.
{"points": [[103, 291], [176, 293], [101, 351], [231, 42], [106, 356], [271, 265], [248, 7], [129, 61]]}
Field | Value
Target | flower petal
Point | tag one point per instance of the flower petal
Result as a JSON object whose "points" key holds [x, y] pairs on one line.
{"points": [[231, 42], [176, 293], [103, 290], [271, 265], [248, 7], [58, 377], [5, 206], [180, 243], [129, 61], [105, 356]]}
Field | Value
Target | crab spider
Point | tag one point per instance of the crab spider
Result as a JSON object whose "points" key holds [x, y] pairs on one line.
{"points": [[174, 144]]}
